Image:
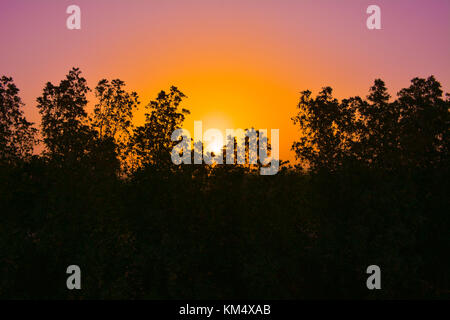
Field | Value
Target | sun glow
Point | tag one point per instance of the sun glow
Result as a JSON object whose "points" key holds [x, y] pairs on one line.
{"points": [[215, 145]]}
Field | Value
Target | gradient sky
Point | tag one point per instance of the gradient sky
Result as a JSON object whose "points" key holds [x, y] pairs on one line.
{"points": [[242, 63]]}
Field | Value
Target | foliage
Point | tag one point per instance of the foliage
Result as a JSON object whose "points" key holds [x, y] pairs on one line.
{"points": [[17, 135], [113, 116], [151, 143], [410, 131], [377, 193], [64, 123]]}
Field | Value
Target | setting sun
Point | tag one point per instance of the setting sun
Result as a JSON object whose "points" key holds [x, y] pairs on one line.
{"points": [[214, 146]]}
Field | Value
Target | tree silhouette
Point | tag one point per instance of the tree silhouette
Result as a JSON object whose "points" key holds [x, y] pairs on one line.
{"points": [[113, 115], [65, 128], [152, 142], [17, 135], [412, 130], [376, 127], [424, 122], [324, 133], [373, 189]]}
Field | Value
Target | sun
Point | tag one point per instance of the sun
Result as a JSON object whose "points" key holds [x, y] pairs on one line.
{"points": [[215, 146]]}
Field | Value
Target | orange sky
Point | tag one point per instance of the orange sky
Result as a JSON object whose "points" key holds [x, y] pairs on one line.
{"points": [[241, 63]]}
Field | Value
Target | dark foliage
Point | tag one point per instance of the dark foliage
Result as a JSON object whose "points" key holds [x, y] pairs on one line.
{"points": [[372, 189]]}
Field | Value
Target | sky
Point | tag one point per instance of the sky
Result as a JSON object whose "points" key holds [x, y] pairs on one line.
{"points": [[242, 63]]}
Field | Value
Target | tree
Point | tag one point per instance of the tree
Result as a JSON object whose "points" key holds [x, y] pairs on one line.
{"points": [[65, 129], [424, 121], [113, 115], [17, 135], [376, 127], [324, 131], [410, 131], [152, 142]]}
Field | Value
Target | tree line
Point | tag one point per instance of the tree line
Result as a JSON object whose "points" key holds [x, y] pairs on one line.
{"points": [[370, 187]]}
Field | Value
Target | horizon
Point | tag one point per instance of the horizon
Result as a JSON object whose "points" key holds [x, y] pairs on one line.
{"points": [[245, 69]]}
